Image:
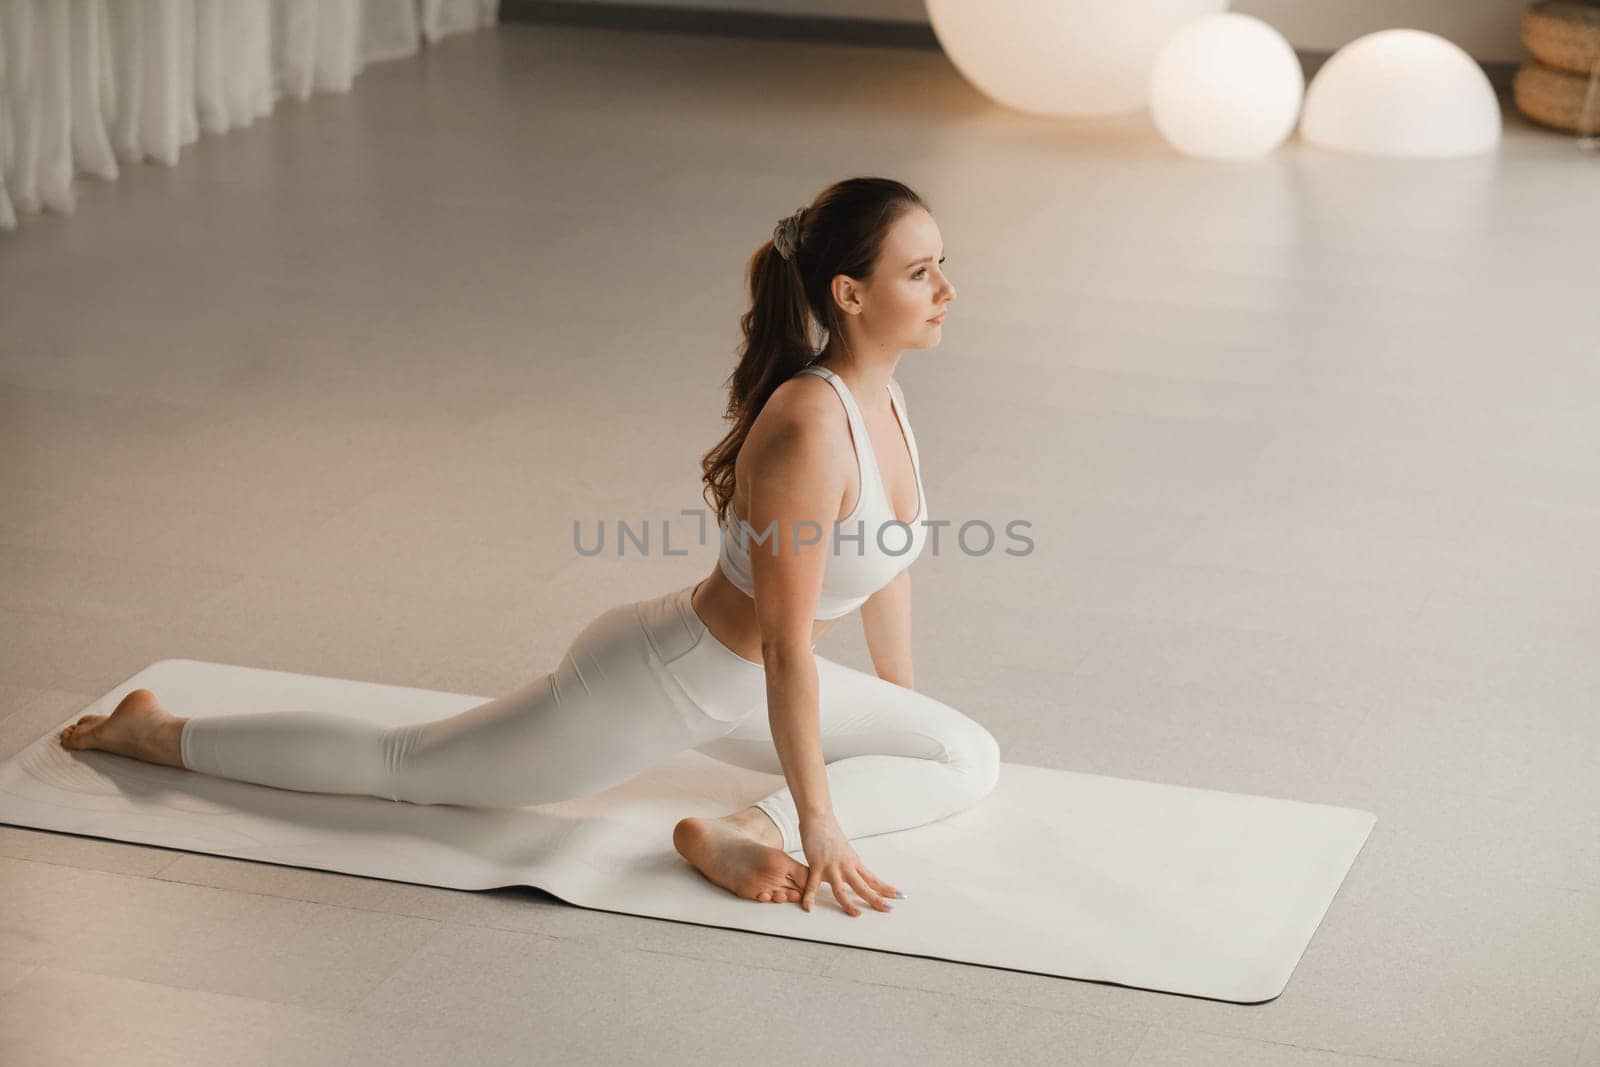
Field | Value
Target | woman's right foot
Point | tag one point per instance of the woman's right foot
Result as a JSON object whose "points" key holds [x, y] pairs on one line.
{"points": [[738, 861], [138, 727]]}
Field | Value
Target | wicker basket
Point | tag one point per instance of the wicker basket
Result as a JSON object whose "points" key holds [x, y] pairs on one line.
{"points": [[1558, 99], [1564, 34]]}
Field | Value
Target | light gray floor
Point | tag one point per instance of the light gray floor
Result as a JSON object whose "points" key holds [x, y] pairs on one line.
{"points": [[1309, 448]]}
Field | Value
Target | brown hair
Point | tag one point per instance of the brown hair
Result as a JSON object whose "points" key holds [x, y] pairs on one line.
{"points": [[841, 232]]}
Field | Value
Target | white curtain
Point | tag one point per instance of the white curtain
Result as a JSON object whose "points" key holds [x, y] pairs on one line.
{"points": [[85, 84]]}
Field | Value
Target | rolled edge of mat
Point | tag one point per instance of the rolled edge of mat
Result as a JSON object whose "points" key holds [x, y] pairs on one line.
{"points": [[1564, 34], [1556, 98]]}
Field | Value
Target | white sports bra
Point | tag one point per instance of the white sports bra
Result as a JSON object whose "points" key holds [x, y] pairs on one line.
{"points": [[868, 547]]}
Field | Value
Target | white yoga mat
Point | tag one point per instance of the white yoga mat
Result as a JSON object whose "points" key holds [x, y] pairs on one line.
{"points": [[1154, 886]]}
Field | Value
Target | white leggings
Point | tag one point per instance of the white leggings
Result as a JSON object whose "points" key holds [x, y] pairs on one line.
{"points": [[640, 683]]}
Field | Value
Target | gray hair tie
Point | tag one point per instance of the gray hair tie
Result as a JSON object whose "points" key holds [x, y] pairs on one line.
{"points": [[786, 234]]}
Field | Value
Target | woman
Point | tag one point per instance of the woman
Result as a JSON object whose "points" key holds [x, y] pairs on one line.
{"points": [[726, 666]]}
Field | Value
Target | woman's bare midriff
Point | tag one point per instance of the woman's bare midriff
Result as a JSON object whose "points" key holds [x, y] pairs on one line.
{"points": [[731, 616]]}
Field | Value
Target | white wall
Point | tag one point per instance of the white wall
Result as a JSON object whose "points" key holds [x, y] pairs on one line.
{"points": [[1488, 29]]}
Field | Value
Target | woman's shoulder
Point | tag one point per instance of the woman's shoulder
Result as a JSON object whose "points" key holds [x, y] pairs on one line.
{"points": [[801, 421], [803, 402]]}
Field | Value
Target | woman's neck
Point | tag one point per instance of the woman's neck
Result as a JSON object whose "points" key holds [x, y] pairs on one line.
{"points": [[869, 384]]}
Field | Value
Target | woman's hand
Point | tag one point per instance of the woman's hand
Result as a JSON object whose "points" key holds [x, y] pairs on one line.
{"points": [[832, 859]]}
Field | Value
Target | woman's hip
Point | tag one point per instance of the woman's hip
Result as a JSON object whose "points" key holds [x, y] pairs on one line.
{"points": [[718, 681]]}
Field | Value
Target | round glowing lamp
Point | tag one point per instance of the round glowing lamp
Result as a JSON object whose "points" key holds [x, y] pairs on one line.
{"points": [[1226, 87]]}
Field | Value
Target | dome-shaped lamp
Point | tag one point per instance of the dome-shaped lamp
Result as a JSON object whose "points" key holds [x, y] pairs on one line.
{"points": [[1062, 57], [1402, 93]]}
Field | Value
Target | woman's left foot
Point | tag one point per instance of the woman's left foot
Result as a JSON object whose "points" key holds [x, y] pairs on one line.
{"points": [[138, 727], [734, 858]]}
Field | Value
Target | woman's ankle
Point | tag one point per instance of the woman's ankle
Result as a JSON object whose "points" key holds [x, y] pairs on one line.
{"points": [[758, 824], [169, 743]]}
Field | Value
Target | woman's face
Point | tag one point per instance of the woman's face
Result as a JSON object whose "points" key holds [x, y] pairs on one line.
{"points": [[908, 287]]}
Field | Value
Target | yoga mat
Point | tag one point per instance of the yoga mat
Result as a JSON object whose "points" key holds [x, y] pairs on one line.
{"points": [[1153, 886]]}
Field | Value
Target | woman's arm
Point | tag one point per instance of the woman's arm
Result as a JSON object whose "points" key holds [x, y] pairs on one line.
{"points": [[794, 499], [886, 618], [886, 615], [798, 485]]}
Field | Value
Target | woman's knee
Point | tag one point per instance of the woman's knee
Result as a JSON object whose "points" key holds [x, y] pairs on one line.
{"points": [[975, 752], [985, 760]]}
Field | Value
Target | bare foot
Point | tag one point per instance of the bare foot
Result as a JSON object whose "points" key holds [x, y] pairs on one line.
{"points": [[732, 856], [137, 727]]}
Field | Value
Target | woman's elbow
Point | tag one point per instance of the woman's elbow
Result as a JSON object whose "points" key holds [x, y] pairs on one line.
{"points": [[777, 653]]}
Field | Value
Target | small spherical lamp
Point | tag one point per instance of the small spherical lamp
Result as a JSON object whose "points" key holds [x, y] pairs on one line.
{"points": [[1226, 87], [1058, 58], [1402, 93]]}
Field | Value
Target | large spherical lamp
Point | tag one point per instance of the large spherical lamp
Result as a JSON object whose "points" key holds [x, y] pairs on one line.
{"points": [[1061, 57], [1402, 93], [1226, 87]]}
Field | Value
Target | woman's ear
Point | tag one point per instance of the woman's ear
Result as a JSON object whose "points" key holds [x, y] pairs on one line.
{"points": [[843, 291]]}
